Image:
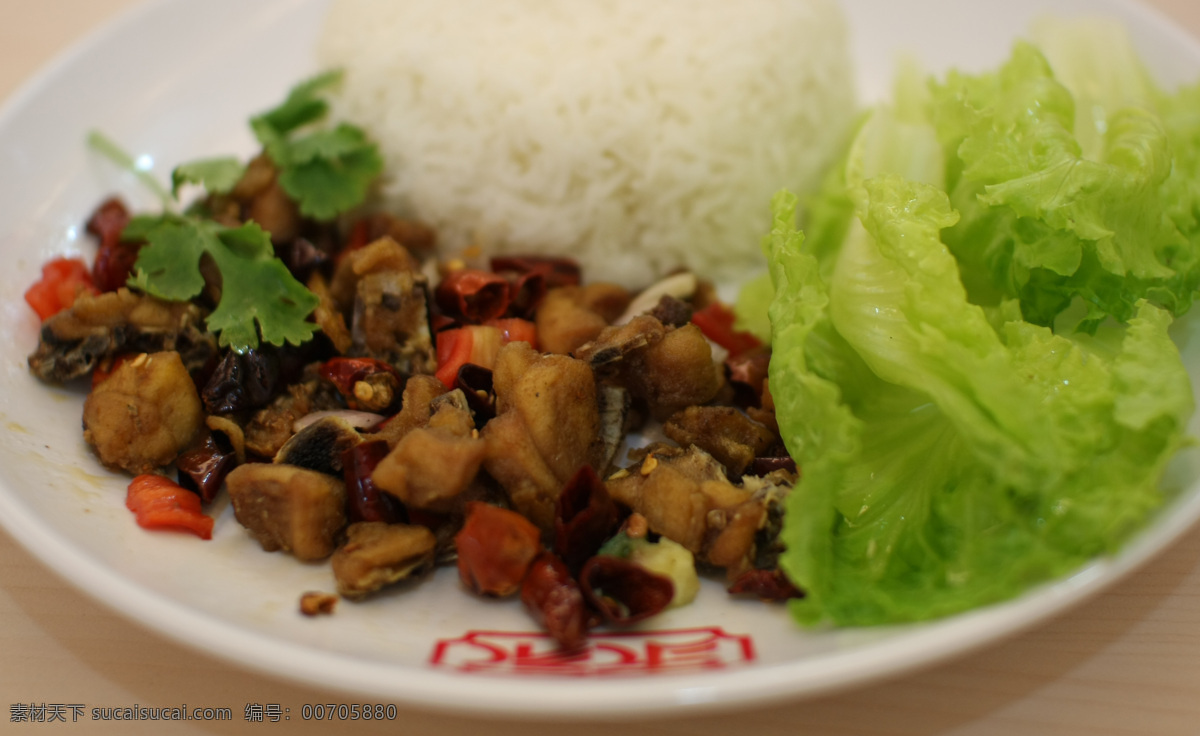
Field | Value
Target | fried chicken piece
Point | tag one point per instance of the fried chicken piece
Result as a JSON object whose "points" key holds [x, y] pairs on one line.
{"points": [[547, 426], [727, 434], [432, 466], [376, 555], [287, 508], [144, 414]]}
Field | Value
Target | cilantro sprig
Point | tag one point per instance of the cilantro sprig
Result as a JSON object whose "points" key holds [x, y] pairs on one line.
{"points": [[326, 171], [258, 293]]}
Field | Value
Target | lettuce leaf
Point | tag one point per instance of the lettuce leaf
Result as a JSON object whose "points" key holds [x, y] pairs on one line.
{"points": [[957, 443]]}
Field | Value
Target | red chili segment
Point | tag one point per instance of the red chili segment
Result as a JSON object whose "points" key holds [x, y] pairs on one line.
{"points": [[160, 503], [63, 280], [203, 468], [344, 373], [716, 322], [364, 501], [556, 271], [473, 294], [478, 344], [553, 599], [766, 585], [585, 516], [453, 352], [115, 257], [624, 592]]}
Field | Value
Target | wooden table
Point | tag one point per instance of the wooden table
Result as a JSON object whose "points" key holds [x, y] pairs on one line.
{"points": [[1127, 662]]}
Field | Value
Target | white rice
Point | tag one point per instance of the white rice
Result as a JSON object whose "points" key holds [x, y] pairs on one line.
{"points": [[636, 136]]}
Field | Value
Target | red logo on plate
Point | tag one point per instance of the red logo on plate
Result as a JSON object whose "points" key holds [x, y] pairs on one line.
{"points": [[608, 653]]}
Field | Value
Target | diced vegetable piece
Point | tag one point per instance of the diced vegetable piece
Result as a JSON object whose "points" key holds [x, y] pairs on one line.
{"points": [[513, 329], [495, 548], [716, 322], [63, 279], [162, 504], [672, 561], [479, 344], [453, 352]]}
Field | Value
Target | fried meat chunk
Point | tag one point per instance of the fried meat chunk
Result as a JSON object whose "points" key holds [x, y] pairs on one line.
{"points": [[432, 466], [669, 368], [96, 328], [144, 414], [287, 508], [727, 434], [546, 427], [685, 496], [376, 555]]}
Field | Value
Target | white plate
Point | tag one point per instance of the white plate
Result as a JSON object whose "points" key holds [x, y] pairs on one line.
{"points": [[176, 81]]}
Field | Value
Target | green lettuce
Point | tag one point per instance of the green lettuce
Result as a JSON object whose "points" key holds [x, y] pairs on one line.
{"points": [[971, 362]]}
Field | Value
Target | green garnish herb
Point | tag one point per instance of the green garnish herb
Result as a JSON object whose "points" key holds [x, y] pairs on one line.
{"points": [[217, 175], [258, 293], [620, 545], [326, 171], [106, 147]]}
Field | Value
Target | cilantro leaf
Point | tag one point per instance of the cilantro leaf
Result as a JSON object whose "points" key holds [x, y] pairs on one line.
{"points": [[330, 172], [326, 172], [258, 293], [302, 106], [217, 175]]}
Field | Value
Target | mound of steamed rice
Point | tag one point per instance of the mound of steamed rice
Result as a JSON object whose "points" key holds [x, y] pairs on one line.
{"points": [[637, 136]]}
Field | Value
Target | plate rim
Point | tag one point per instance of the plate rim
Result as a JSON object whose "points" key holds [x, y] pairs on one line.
{"points": [[662, 695]]}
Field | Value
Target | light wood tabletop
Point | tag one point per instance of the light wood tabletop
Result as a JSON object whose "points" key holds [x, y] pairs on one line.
{"points": [[1126, 662]]}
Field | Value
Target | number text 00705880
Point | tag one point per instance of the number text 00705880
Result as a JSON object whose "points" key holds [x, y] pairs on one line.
{"points": [[351, 712]]}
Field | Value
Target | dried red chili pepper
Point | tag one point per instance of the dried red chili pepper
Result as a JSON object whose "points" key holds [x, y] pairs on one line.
{"points": [[473, 295], [716, 322], [495, 548], [202, 469], [585, 517], [761, 466], [623, 591], [365, 502], [115, 257], [478, 344], [746, 372], [381, 383], [526, 291], [557, 271], [766, 585], [475, 382], [106, 368], [554, 600], [242, 381]]}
